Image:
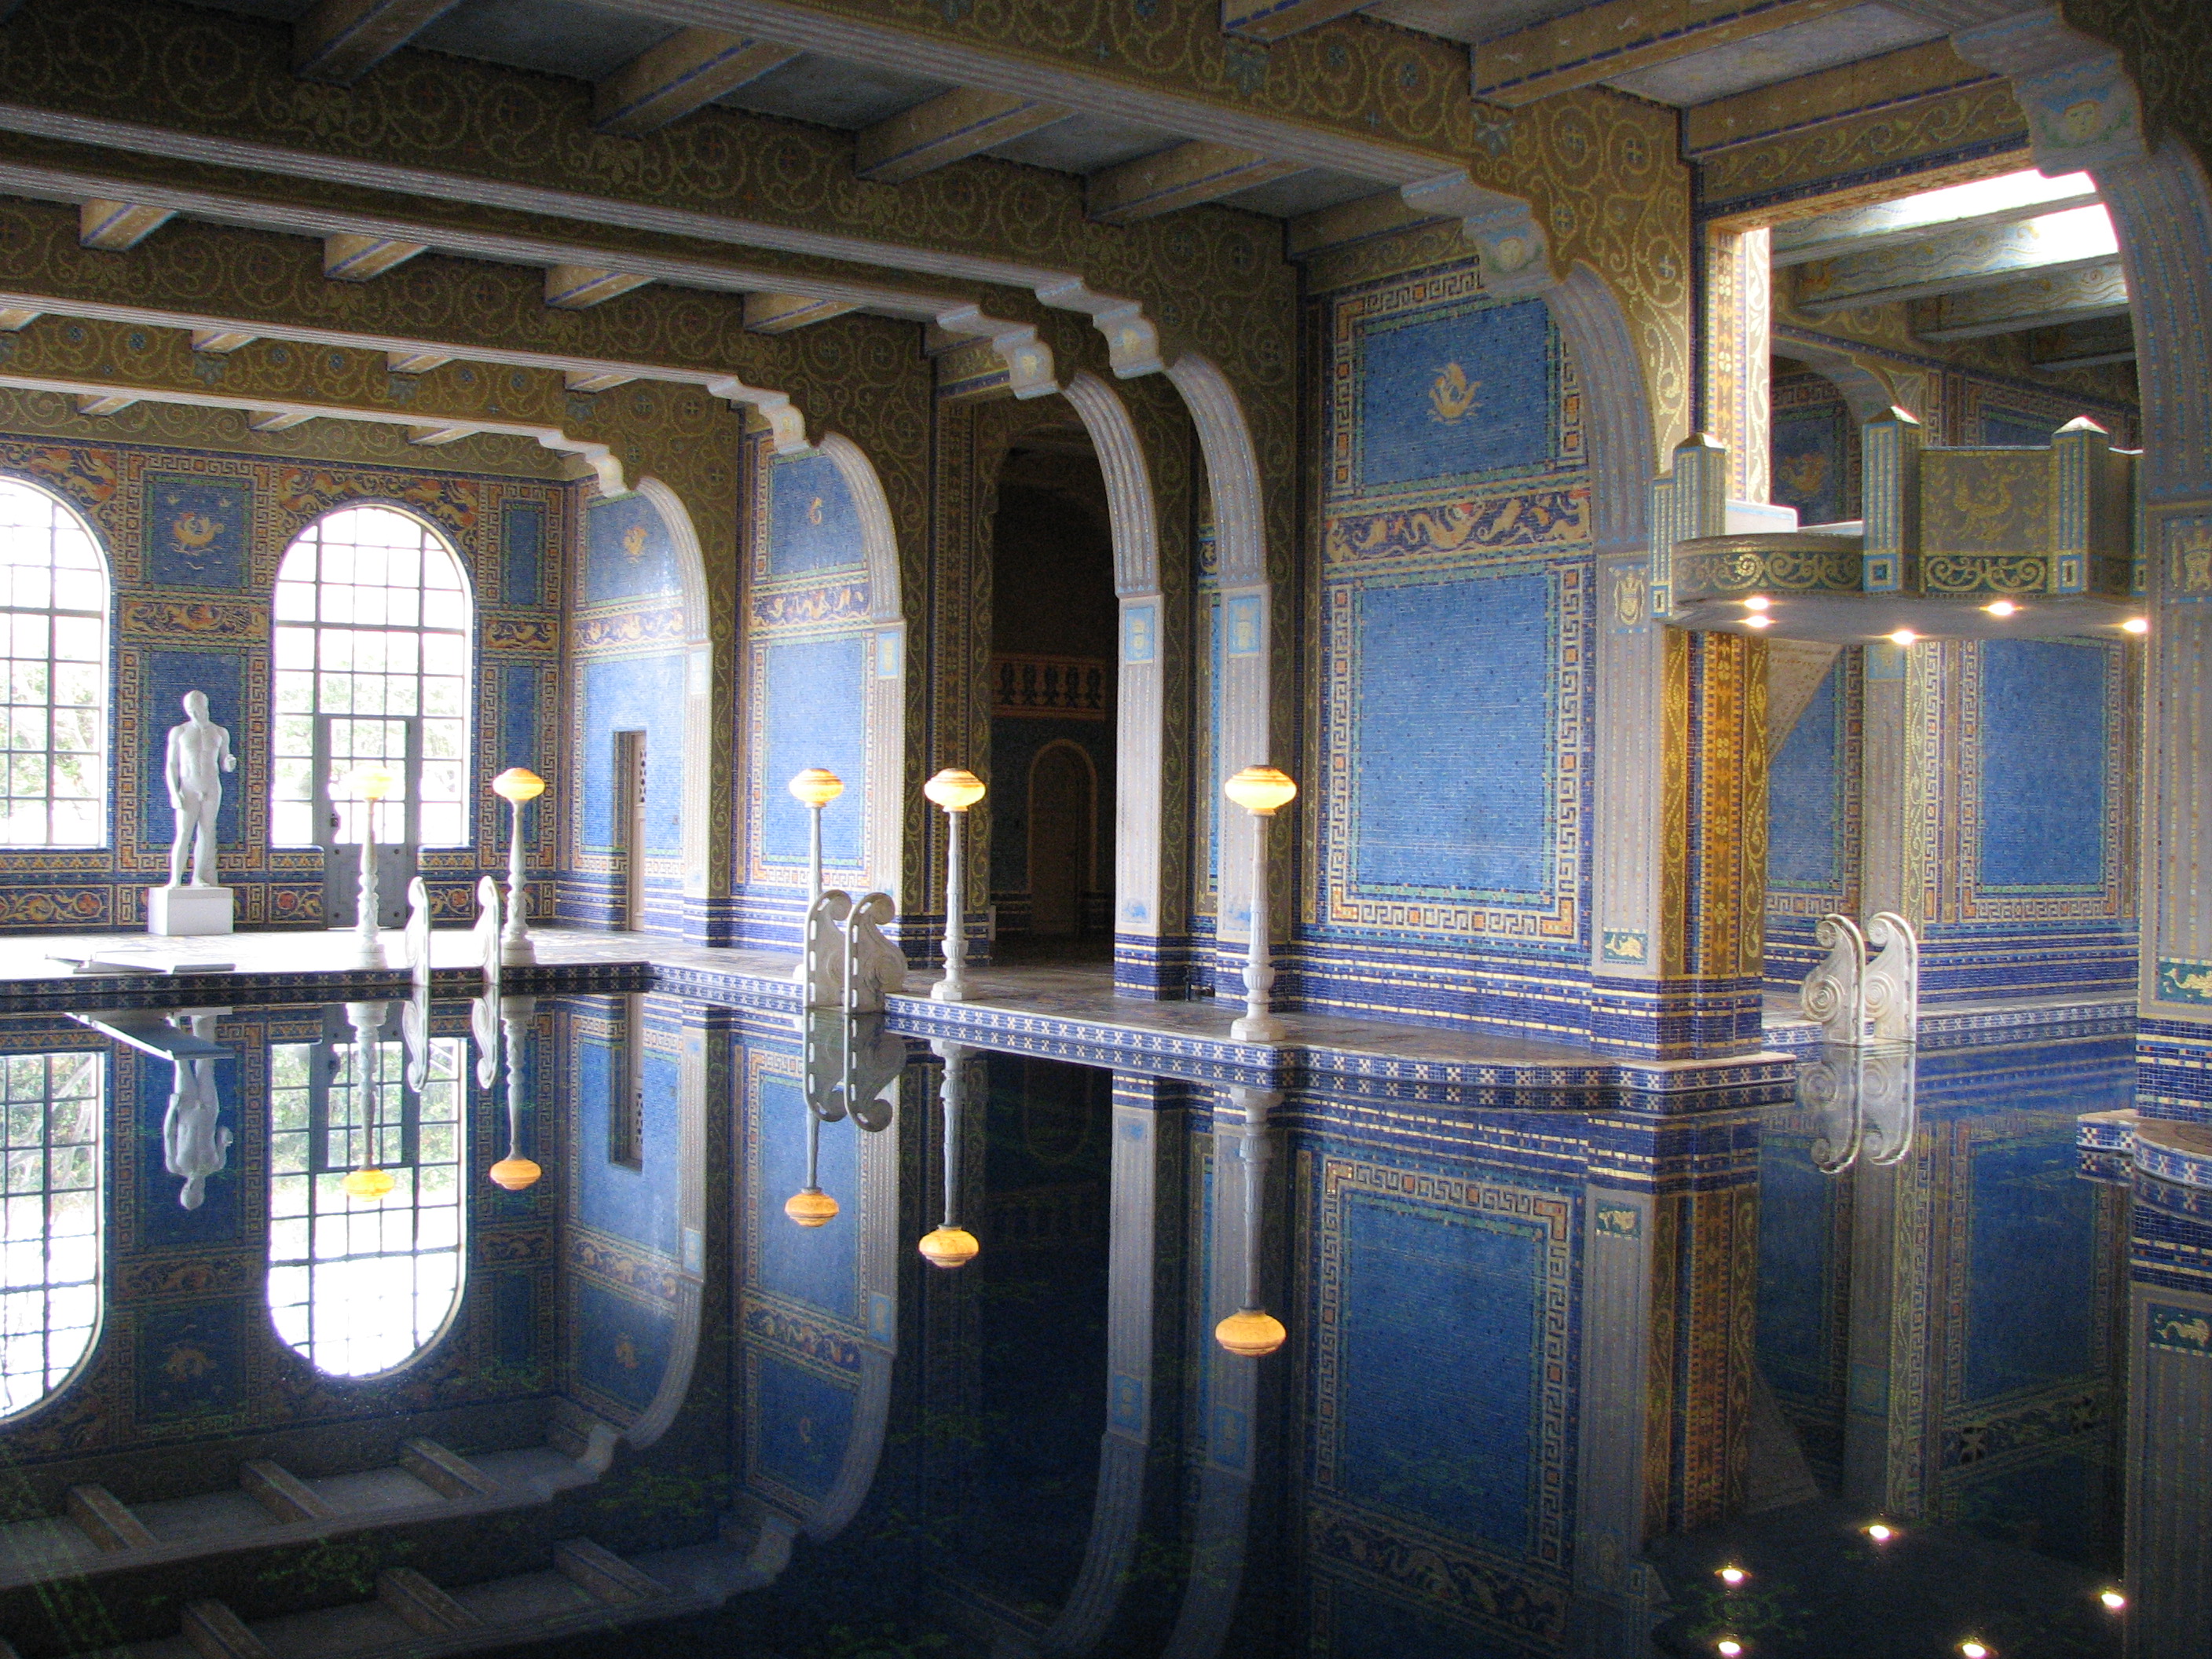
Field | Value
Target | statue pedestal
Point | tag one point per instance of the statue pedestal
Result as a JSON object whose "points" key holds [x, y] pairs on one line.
{"points": [[173, 911]]}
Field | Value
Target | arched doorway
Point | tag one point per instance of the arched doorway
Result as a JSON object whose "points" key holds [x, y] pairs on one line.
{"points": [[1054, 620]]}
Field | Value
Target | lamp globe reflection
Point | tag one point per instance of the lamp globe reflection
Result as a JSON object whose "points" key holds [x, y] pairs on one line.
{"points": [[810, 1207], [371, 1184], [1250, 1333], [515, 1174], [949, 1247]]}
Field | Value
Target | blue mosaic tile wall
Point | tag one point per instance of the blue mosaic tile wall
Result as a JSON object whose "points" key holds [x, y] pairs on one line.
{"points": [[626, 639], [1451, 759], [192, 542], [2043, 739], [1815, 447], [1813, 805]]}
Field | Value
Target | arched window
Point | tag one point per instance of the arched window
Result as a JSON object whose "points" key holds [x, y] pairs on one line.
{"points": [[50, 1107], [54, 600], [372, 654], [361, 1286]]}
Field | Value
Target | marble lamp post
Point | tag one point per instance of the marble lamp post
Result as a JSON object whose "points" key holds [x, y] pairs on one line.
{"points": [[371, 784], [516, 786], [1262, 791], [814, 789], [955, 791]]}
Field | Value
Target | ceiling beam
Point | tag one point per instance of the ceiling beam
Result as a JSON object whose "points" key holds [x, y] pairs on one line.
{"points": [[219, 340], [1957, 262], [16, 318], [341, 40], [582, 379], [107, 404], [1179, 178], [948, 128], [416, 362], [350, 257], [1926, 70], [1352, 221], [1928, 214], [1615, 36], [1267, 20], [430, 437], [275, 420], [114, 227], [687, 71], [2089, 343], [2042, 301], [574, 288], [781, 313]]}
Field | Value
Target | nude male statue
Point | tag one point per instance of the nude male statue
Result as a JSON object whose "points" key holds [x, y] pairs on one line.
{"points": [[199, 754], [194, 1143]]}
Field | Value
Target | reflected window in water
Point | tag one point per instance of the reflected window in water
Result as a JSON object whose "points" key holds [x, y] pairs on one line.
{"points": [[360, 1286], [49, 1296]]}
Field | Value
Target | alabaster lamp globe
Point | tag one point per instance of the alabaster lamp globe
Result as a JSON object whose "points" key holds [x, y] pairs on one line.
{"points": [[517, 784], [371, 1184], [949, 1247], [954, 790], [817, 787], [810, 1207], [515, 1174], [372, 783], [1261, 789], [1250, 1333]]}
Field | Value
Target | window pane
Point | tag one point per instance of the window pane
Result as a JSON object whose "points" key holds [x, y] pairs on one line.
{"points": [[53, 674]]}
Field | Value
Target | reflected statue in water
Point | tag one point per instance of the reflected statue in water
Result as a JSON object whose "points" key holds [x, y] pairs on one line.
{"points": [[194, 1143]]}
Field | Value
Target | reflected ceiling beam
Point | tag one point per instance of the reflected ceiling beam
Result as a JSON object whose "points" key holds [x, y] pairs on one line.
{"points": [[578, 288], [1615, 36], [219, 340], [781, 313], [114, 227], [1275, 20], [351, 257], [104, 404], [1179, 178], [1926, 70], [579, 380], [2087, 344], [1352, 221], [2013, 307], [1958, 262], [416, 362], [948, 128], [275, 420], [341, 40], [1928, 214], [687, 71]]}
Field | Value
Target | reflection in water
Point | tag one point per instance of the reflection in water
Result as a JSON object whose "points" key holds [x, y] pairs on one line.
{"points": [[195, 1144], [50, 1259], [361, 1286]]}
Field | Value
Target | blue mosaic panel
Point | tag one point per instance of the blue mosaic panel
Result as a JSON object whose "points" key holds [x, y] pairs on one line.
{"points": [[522, 551], [2043, 764], [819, 1267], [633, 694], [1810, 461], [814, 524], [163, 1223], [197, 530], [627, 552], [190, 1363], [1456, 392], [1796, 1232], [1466, 1460], [814, 715], [2008, 426], [621, 1348], [1454, 742], [801, 1422], [2033, 1227], [638, 1205], [518, 719], [1805, 782], [169, 675]]}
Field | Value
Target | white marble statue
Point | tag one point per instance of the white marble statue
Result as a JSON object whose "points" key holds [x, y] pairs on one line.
{"points": [[199, 754], [194, 1143]]}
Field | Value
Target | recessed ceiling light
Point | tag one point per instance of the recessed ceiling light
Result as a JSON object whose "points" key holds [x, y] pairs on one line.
{"points": [[1903, 636], [2001, 608], [1757, 601], [1734, 1576], [1728, 1647], [1880, 1532], [2136, 625], [2113, 1601], [1972, 1650], [1758, 619]]}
